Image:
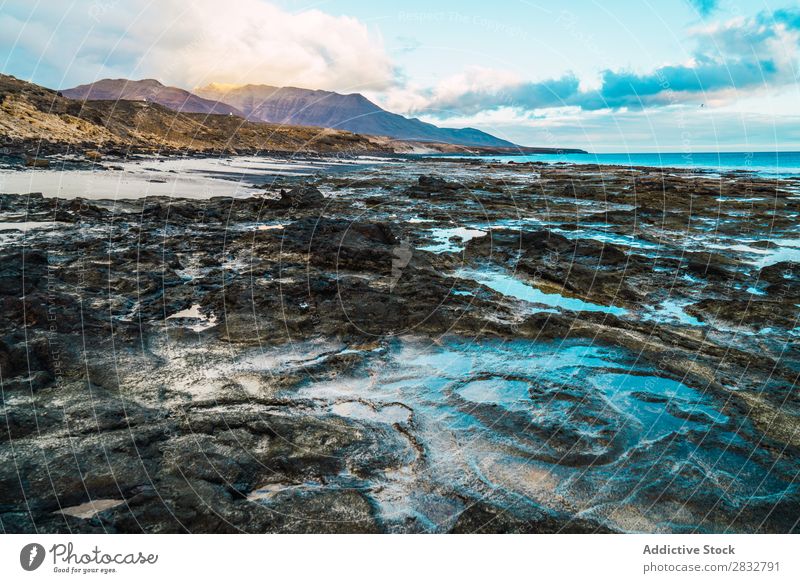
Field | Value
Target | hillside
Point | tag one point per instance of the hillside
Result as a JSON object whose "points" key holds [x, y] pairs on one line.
{"points": [[352, 112], [287, 106], [149, 90], [34, 120]]}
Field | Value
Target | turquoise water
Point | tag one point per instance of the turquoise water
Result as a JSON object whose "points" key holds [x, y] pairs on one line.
{"points": [[443, 239], [508, 285], [564, 424], [766, 163]]}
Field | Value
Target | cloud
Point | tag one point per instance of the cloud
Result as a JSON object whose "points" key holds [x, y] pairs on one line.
{"points": [[704, 7], [255, 41], [736, 56], [406, 44], [192, 43], [672, 84], [668, 129]]}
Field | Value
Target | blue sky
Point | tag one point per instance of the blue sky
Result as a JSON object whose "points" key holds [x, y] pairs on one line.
{"points": [[674, 75]]}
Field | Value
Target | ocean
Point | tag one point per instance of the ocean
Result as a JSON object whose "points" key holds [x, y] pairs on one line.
{"points": [[764, 163]]}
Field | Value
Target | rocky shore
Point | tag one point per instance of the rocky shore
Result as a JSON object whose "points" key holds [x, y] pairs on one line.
{"points": [[429, 345]]}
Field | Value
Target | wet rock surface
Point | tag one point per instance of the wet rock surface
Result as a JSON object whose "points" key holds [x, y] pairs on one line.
{"points": [[416, 346], [300, 197]]}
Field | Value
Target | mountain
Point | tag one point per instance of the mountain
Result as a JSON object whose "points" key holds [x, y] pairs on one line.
{"points": [[149, 90], [352, 112], [36, 121], [292, 106]]}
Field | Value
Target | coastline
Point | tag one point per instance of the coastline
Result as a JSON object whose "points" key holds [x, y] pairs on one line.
{"points": [[426, 345]]}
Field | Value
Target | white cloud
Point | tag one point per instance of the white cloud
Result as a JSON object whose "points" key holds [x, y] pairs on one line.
{"points": [[732, 60], [193, 43], [473, 80], [410, 98], [744, 70], [666, 129]]}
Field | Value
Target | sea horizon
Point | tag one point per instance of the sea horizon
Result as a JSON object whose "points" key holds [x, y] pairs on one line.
{"points": [[776, 163]]}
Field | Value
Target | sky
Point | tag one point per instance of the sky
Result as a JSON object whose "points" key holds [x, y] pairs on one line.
{"points": [[611, 76]]}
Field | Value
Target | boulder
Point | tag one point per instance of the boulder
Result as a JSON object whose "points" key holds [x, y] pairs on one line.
{"points": [[428, 185], [304, 196]]}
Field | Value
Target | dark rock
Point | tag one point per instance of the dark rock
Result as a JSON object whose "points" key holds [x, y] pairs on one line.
{"points": [[485, 518], [21, 271], [37, 162], [299, 197], [429, 185]]}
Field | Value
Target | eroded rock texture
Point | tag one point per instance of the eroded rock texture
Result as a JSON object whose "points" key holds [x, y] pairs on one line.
{"points": [[418, 346]]}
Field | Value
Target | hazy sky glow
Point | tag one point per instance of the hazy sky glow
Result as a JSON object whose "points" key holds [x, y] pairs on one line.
{"points": [[676, 75]]}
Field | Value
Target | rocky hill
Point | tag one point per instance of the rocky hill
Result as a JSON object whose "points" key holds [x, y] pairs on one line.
{"points": [[151, 91], [287, 106], [36, 121], [353, 112]]}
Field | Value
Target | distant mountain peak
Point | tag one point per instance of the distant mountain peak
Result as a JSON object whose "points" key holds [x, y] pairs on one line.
{"points": [[288, 106], [350, 111], [149, 90]]}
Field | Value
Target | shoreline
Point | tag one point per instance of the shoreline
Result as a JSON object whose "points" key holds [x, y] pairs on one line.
{"points": [[16, 171], [421, 346]]}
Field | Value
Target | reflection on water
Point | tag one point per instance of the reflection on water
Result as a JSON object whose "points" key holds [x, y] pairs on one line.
{"points": [[443, 239], [588, 428], [510, 286]]}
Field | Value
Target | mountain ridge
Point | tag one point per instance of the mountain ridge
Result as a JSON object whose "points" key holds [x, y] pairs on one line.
{"points": [[36, 121], [293, 106], [150, 90], [352, 112]]}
